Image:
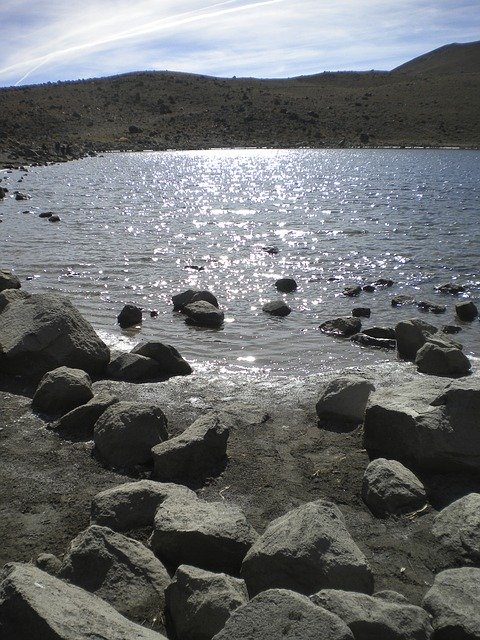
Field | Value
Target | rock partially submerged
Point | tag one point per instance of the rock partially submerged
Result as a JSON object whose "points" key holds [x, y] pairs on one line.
{"points": [[45, 331], [180, 300], [411, 335], [277, 308], [129, 316], [170, 362], [466, 311], [203, 314], [307, 549], [132, 367], [341, 327], [286, 285], [34, 604]]}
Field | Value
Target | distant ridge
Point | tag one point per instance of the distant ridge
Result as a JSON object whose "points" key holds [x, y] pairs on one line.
{"points": [[451, 58]]}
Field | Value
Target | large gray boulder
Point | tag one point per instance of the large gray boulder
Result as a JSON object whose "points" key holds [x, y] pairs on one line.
{"points": [[389, 487], [438, 360], [61, 390], [454, 603], [131, 367], [8, 280], [12, 295], [466, 311], [81, 420], [45, 331], [203, 314], [211, 535], [180, 300], [411, 335], [372, 618], [126, 432], [121, 571], [133, 505], [279, 613], [194, 455], [457, 529], [35, 605], [170, 362], [199, 602], [412, 423], [307, 549], [345, 398]]}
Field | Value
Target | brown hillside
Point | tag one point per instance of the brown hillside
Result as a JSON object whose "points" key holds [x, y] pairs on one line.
{"points": [[162, 110], [452, 58]]}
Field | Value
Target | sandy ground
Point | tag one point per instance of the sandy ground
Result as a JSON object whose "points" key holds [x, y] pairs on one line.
{"points": [[279, 457]]}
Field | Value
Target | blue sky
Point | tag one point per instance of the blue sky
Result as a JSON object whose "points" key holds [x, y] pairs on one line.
{"points": [[50, 40]]}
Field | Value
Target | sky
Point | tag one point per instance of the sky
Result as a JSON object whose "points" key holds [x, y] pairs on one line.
{"points": [[51, 40]]}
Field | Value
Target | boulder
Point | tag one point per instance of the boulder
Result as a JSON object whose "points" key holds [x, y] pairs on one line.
{"points": [[170, 362], [126, 432], [132, 367], [279, 613], [385, 333], [450, 287], [180, 300], [411, 335], [45, 214], [345, 398], [352, 291], [203, 314], [457, 529], [129, 316], [454, 603], [466, 311], [444, 341], [133, 505], [277, 308], [402, 300], [341, 327], [369, 288], [361, 312], [389, 487], [34, 604], [81, 420], [286, 285], [8, 280], [21, 196], [436, 360], [49, 563], [412, 423], [368, 341], [373, 618], [12, 295], [61, 390], [432, 307], [200, 602], [121, 571], [384, 282], [210, 535], [307, 549], [451, 329], [45, 331], [54, 218], [194, 455]]}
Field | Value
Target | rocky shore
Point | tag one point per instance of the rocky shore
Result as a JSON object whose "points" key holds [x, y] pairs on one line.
{"points": [[141, 499]]}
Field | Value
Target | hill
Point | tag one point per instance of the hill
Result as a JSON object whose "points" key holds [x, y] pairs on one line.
{"points": [[450, 59], [162, 110]]}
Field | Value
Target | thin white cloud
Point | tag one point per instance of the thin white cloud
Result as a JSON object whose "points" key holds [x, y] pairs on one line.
{"points": [[52, 39]]}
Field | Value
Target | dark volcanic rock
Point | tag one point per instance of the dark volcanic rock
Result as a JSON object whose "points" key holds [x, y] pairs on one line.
{"points": [[411, 335], [45, 331], [203, 314], [286, 285], [433, 307], [367, 341], [402, 300], [277, 308], [132, 367], [352, 291], [386, 333], [450, 287], [361, 312], [180, 300], [466, 311], [341, 327], [81, 420], [129, 316], [169, 360]]}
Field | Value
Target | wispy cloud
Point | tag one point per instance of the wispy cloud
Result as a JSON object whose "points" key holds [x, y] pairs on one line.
{"points": [[52, 39]]}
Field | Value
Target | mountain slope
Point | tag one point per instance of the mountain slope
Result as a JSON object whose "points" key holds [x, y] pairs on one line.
{"points": [[452, 58]]}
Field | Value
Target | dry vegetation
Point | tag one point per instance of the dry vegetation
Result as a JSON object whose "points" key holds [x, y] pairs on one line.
{"points": [[431, 101]]}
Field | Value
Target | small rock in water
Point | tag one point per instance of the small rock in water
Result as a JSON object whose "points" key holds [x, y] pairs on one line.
{"points": [[466, 311], [203, 314], [369, 341], [21, 196], [277, 308], [402, 300], [384, 282], [352, 292], [361, 312], [286, 285], [451, 328], [194, 267], [369, 288], [54, 218], [387, 333], [129, 316], [272, 250], [425, 305], [45, 214], [341, 327], [450, 287], [153, 313]]}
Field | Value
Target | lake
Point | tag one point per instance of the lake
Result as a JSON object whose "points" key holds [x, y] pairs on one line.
{"points": [[133, 225]]}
